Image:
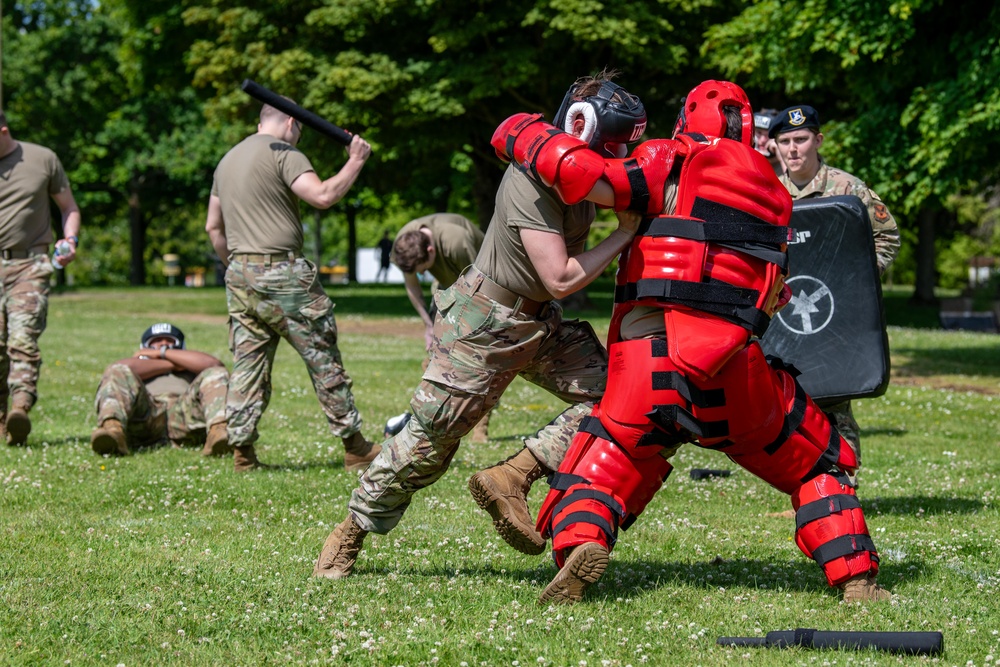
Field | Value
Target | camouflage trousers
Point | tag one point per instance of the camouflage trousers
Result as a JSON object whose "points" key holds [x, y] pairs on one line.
{"points": [[150, 420], [24, 305], [480, 347], [843, 418], [267, 302]]}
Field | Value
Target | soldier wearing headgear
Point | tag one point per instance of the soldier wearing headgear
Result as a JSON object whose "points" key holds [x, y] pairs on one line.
{"points": [[500, 320], [162, 393], [694, 289], [796, 131]]}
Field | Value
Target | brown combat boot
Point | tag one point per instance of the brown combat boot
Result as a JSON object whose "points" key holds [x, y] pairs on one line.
{"points": [[245, 459], [109, 439], [481, 433], [863, 588], [502, 490], [358, 452], [584, 566], [217, 442], [18, 425], [340, 551]]}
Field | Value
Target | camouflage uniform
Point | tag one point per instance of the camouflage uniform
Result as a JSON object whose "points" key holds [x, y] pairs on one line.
{"points": [[273, 297], [150, 419], [24, 303], [830, 182], [481, 346]]}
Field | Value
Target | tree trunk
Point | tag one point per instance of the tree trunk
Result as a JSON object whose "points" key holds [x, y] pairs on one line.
{"points": [[352, 242], [137, 236], [487, 175], [923, 293]]}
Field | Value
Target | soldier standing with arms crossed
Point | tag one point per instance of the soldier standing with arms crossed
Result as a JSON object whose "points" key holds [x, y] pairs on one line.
{"points": [[272, 291], [496, 322], [796, 131], [31, 175]]}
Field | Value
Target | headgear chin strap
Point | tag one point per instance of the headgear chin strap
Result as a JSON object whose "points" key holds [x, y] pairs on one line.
{"points": [[609, 123]]}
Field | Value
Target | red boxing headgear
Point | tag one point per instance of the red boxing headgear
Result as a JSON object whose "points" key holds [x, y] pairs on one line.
{"points": [[702, 110]]}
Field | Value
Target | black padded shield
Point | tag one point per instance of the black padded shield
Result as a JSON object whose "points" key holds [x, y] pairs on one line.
{"points": [[833, 331]]}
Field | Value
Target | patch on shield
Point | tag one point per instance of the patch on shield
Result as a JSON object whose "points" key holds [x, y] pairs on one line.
{"points": [[811, 307], [796, 117]]}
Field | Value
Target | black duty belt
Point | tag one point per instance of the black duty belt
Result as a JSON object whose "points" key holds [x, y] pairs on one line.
{"points": [[482, 284]]}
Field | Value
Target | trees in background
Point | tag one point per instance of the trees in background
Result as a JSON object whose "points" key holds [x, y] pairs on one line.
{"points": [[141, 98], [911, 88]]}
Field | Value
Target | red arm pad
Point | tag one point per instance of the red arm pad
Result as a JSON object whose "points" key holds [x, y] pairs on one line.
{"points": [[549, 156], [639, 181], [507, 132]]}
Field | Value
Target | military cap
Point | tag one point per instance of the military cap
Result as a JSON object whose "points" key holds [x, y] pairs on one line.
{"points": [[163, 329], [798, 117], [763, 119]]}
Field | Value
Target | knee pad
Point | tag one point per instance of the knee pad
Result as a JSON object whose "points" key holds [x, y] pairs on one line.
{"points": [[830, 528]]}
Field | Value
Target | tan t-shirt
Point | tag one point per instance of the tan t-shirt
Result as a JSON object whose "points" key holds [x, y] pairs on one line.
{"points": [[29, 176], [253, 183], [456, 243], [173, 384], [523, 204]]}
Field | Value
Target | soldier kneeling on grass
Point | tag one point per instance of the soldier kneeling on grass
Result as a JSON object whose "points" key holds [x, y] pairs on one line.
{"points": [[162, 393]]}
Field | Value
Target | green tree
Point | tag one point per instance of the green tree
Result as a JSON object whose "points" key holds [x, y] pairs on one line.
{"points": [[427, 82], [909, 88]]}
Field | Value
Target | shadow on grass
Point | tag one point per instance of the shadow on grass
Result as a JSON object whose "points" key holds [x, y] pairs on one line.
{"points": [[635, 581], [628, 579], [921, 505], [926, 362]]}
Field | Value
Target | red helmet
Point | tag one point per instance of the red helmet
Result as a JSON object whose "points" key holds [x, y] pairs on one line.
{"points": [[702, 110]]}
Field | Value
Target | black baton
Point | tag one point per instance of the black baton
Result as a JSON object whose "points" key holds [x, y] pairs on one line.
{"points": [[911, 643], [306, 117]]}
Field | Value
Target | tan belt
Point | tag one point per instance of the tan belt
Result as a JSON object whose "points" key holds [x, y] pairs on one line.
{"points": [[16, 253], [266, 259], [482, 284]]}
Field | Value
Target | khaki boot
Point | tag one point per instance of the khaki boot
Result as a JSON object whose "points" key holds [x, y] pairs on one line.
{"points": [[584, 566], [245, 459], [109, 439], [18, 425], [340, 551], [217, 442], [481, 433], [502, 490], [358, 452], [863, 588]]}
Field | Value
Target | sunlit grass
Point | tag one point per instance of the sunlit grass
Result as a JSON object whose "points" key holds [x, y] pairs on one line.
{"points": [[168, 558]]}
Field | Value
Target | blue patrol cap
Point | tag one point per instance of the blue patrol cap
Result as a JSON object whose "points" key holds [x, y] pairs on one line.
{"points": [[798, 117]]}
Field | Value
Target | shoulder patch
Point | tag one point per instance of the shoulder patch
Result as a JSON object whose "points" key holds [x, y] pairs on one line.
{"points": [[881, 212]]}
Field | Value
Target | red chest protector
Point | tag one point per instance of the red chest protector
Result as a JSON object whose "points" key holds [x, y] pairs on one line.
{"points": [[717, 265]]}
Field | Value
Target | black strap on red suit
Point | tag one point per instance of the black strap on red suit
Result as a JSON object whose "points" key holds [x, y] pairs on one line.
{"points": [[821, 509]]}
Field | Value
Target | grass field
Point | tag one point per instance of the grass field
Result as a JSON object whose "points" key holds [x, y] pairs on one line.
{"points": [[165, 557]]}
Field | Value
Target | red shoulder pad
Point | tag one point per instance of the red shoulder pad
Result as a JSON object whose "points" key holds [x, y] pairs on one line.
{"points": [[505, 136], [549, 156], [639, 181]]}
